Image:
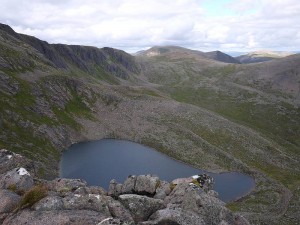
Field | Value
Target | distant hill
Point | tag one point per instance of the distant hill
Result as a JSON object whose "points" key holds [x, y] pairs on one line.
{"points": [[261, 56], [163, 50], [221, 56]]}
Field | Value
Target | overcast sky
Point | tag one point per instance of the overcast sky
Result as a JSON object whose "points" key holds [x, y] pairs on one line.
{"points": [[132, 25]]}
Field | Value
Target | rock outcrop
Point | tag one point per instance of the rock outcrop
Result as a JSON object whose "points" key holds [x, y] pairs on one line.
{"points": [[142, 200]]}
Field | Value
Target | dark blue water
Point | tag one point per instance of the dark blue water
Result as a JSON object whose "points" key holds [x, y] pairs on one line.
{"points": [[98, 162]]}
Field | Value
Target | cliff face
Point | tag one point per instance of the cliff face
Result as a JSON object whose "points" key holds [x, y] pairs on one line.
{"points": [[143, 200]]}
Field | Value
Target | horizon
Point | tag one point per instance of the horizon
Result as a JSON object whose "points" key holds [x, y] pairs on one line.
{"points": [[224, 25]]}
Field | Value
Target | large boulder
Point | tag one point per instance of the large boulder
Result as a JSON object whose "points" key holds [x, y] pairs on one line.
{"points": [[117, 210], [49, 203], [163, 190], [63, 185], [140, 207], [8, 201], [10, 160], [129, 185], [146, 184], [59, 217], [17, 179], [114, 189], [193, 199], [174, 216], [93, 202]]}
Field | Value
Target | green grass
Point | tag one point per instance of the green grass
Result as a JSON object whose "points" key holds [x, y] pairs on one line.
{"points": [[35, 194]]}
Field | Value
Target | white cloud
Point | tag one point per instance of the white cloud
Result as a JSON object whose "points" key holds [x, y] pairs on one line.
{"points": [[136, 24]]}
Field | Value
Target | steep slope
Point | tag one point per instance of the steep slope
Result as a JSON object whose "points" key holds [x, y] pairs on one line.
{"points": [[261, 56]]}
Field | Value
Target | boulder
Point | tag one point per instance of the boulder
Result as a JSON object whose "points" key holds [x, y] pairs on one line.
{"points": [[61, 217], [140, 207], [114, 221], [129, 185], [114, 189], [146, 184], [17, 179], [93, 202], [63, 186], [8, 201], [117, 210], [174, 216], [90, 190], [213, 193], [163, 190], [49, 203], [10, 160], [193, 199]]}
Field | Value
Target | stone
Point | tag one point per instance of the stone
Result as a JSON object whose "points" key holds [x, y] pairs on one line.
{"points": [[18, 179], [8, 201], [114, 189], [174, 216], [61, 217], [49, 203], [146, 184], [129, 185], [10, 160], [63, 185], [117, 210], [213, 193], [163, 190], [193, 199], [140, 207], [90, 190], [93, 202], [114, 221]]}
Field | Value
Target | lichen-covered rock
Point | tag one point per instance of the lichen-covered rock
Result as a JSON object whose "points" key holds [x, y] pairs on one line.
{"points": [[8, 201], [62, 185], [49, 203], [129, 185], [17, 179], [140, 207], [114, 189], [117, 210], [193, 199], [93, 202], [10, 160], [90, 190], [146, 184], [213, 193], [174, 216], [163, 190], [58, 217]]}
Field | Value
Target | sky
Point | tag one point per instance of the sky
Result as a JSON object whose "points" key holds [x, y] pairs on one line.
{"points": [[133, 25]]}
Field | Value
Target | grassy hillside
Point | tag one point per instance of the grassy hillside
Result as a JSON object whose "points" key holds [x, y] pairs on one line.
{"points": [[213, 115]]}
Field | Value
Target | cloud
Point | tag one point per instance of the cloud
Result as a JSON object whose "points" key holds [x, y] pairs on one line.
{"points": [[134, 24]]}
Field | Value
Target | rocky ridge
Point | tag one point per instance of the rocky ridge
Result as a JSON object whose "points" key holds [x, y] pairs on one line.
{"points": [[143, 200]]}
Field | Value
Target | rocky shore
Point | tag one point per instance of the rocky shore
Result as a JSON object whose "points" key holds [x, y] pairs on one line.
{"points": [[142, 200]]}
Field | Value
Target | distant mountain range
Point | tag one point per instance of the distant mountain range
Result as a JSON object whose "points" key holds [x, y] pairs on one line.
{"points": [[262, 56], [233, 57]]}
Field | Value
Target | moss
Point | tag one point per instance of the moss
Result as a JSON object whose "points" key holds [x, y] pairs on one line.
{"points": [[157, 185], [172, 186], [196, 183], [32, 196], [12, 187]]}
